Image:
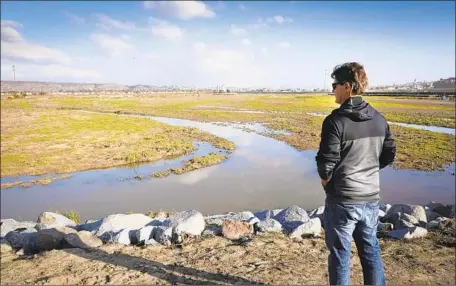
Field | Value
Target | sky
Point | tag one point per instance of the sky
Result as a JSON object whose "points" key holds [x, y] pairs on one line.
{"points": [[276, 44]]}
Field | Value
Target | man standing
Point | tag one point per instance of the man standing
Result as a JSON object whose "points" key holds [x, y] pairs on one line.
{"points": [[355, 144]]}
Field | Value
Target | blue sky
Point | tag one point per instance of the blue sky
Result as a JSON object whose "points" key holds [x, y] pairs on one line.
{"points": [[235, 43]]}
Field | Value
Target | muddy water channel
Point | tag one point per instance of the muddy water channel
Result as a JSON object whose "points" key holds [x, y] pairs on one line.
{"points": [[262, 173]]}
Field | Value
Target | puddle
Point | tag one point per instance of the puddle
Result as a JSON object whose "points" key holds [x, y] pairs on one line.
{"points": [[437, 129], [253, 127], [262, 173]]}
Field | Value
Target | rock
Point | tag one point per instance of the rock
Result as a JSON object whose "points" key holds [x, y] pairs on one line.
{"points": [[18, 238], [318, 212], [113, 224], [310, 228], [156, 222], [430, 215], [161, 215], [292, 217], [123, 237], [411, 219], [419, 213], [163, 234], [52, 238], [8, 225], [434, 224], [269, 225], [414, 210], [385, 207], [263, 215], [401, 224], [253, 220], [408, 233], [448, 227], [83, 239], [188, 222], [233, 230], [381, 213], [150, 241], [385, 226], [444, 210], [30, 246], [212, 231], [243, 216], [91, 226], [216, 219], [145, 233], [453, 211], [51, 220], [433, 205]]}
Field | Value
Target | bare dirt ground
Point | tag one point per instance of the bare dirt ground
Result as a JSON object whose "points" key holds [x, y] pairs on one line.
{"points": [[268, 259]]}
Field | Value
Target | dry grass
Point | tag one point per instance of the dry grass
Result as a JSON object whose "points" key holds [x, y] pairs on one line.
{"points": [[38, 141], [269, 259]]}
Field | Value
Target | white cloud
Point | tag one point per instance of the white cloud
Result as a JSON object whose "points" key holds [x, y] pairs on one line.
{"points": [[10, 23], [107, 22], [32, 52], [47, 72], [160, 28], [199, 46], [237, 31], [284, 45], [280, 19], [114, 46], [151, 56], [242, 7], [10, 35], [184, 10], [264, 50], [77, 19], [246, 42]]}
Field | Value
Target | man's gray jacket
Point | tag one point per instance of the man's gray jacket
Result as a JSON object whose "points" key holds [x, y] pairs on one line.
{"points": [[355, 144]]}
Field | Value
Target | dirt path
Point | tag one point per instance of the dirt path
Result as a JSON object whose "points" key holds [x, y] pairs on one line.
{"points": [[270, 259]]}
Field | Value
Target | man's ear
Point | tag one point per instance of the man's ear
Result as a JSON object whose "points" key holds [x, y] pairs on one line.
{"points": [[347, 86]]}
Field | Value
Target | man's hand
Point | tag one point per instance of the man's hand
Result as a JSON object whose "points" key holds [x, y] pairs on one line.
{"points": [[324, 182]]}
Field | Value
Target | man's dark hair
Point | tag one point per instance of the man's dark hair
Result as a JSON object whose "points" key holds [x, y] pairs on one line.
{"points": [[352, 73]]}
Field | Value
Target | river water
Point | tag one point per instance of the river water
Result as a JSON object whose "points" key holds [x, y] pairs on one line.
{"points": [[262, 173]]}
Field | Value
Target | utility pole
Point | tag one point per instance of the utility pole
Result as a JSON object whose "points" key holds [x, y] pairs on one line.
{"points": [[14, 73]]}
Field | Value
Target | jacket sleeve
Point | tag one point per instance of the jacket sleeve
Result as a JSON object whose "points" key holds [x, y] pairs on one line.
{"points": [[389, 149], [329, 153]]}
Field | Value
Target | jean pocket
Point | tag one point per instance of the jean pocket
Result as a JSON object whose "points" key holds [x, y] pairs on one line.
{"points": [[338, 214]]}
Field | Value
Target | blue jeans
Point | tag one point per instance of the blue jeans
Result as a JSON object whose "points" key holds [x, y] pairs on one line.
{"points": [[341, 223]]}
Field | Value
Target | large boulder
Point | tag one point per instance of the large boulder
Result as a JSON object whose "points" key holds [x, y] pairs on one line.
{"points": [[7, 225], [52, 238], [113, 224], [263, 215], [145, 233], [430, 215], [385, 226], [310, 228], [243, 216], [434, 224], [188, 222], [431, 206], [292, 217], [445, 211], [22, 237], [123, 237], [269, 225], [217, 220], [91, 226], [163, 235], [385, 207], [51, 220], [211, 231], [448, 227], [408, 233], [414, 210], [233, 229], [83, 239]]}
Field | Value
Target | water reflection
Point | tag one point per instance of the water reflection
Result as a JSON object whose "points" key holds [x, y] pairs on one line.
{"points": [[262, 173]]}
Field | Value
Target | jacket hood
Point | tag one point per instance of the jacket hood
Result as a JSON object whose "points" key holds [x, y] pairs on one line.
{"points": [[356, 109]]}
